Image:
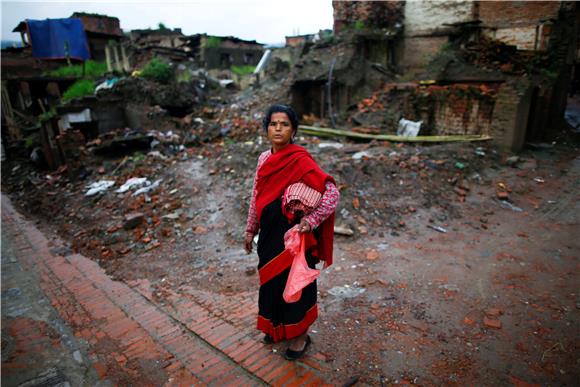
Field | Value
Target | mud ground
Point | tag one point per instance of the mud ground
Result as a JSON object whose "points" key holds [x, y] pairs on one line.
{"points": [[462, 267]]}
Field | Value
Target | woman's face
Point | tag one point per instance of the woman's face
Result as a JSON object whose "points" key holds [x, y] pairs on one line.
{"points": [[280, 130]]}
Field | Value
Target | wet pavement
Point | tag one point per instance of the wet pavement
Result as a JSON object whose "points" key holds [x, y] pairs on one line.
{"points": [[65, 321]]}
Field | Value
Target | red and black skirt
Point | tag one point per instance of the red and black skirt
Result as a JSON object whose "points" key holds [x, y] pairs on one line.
{"points": [[276, 318]]}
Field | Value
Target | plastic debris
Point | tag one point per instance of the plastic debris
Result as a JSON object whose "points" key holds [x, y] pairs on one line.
{"points": [[335, 145], [99, 186], [360, 155], [408, 128], [147, 188], [510, 206], [437, 228], [134, 182]]}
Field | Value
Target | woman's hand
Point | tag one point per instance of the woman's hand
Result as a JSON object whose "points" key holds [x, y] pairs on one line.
{"points": [[304, 226], [248, 243]]}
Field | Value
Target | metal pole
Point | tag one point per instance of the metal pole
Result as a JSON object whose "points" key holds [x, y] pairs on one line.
{"points": [[329, 93]]}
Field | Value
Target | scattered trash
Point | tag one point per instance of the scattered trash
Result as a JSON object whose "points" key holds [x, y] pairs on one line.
{"points": [[134, 182], [147, 188], [480, 151], [539, 180], [335, 145], [510, 206], [459, 165], [437, 228], [99, 186], [360, 155], [408, 128], [109, 83]]}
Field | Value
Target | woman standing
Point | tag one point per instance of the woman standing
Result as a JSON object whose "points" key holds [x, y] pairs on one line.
{"points": [[289, 189]]}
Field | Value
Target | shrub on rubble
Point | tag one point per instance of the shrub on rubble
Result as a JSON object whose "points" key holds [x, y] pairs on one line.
{"points": [[92, 69], [243, 70], [79, 89], [157, 70]]}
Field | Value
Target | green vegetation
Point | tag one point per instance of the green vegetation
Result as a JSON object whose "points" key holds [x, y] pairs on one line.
{"points": [[158, 71], [79, 89], [184, 77], [31, 140], [162, 27], [242, 70], [92, 69], [47, 115], [212, 42], [446, 46], [359, 25]]}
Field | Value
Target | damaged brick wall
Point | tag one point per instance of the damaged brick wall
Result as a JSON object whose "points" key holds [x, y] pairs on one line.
{"points": [[520, 23], [510, 116], [367, 14], [100, 24], [516, 13], [463, 114]]}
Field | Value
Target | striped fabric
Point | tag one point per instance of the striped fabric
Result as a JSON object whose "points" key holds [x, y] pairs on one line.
{"points": [[300, 197], [327, 205]]}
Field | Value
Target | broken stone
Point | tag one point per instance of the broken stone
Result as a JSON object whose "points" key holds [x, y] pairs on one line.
{"points": [[512, 161], [341, 230], [133, 220], [493, 312], [200, 229], [250, 270], [491, 323], [372, 255], [362, 230], [502, 195]]}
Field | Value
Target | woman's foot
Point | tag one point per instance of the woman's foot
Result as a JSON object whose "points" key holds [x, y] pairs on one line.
{"points": [[298, 347], [268, 339]]}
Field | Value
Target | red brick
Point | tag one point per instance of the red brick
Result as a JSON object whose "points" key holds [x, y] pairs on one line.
{"points": [[278, 371], [291, 375], [101, 370], [491, 323]]}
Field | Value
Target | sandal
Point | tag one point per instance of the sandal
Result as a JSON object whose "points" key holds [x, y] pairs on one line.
{"points": [[295, 355], [268, 339]]}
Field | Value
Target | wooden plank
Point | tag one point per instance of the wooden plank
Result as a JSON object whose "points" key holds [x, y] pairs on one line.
{"points": [[327, 132]]}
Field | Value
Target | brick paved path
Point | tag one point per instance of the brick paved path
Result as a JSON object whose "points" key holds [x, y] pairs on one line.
{"points": [[198, 340]]}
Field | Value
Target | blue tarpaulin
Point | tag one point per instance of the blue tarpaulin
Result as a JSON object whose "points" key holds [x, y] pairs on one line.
{"points": [[58, 39]]}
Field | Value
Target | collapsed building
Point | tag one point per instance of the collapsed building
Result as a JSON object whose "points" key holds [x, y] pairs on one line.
{"points": [[32, 92], [469, 67]]}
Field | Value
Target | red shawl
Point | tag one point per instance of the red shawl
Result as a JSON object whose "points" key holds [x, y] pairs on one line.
{"points": [[288, 166]]}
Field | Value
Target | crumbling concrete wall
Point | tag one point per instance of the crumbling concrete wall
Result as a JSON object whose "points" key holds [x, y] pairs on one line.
{"points": [[428, 16], [520, 23], [425, 32]]}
